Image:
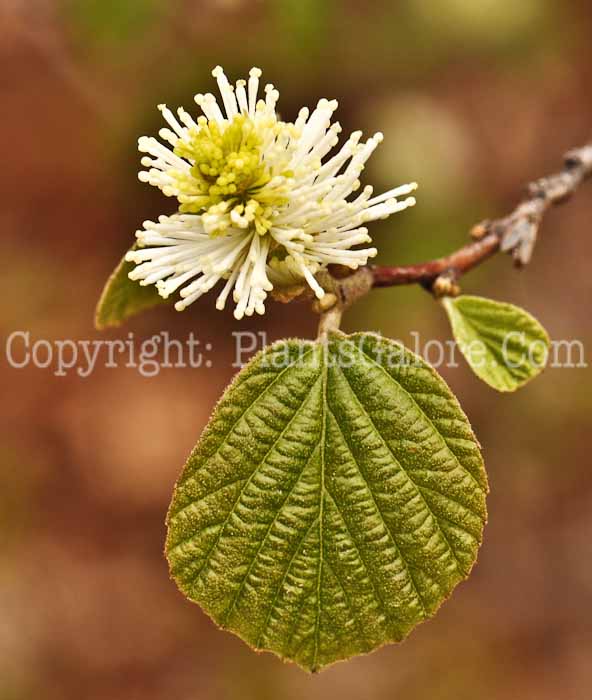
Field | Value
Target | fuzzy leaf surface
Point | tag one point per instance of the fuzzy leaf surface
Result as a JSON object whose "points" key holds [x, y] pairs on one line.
{"points": [[333, 502], [123, 297], [504, 345]]}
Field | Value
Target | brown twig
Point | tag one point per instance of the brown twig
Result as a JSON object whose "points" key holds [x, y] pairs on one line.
{"points": [[515, 234]]}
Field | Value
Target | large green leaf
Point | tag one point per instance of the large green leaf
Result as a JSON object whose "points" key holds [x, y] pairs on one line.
{"points": [[504, 345], [334, 501], [123, 297]]}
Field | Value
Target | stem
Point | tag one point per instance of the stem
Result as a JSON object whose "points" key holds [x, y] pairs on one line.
{"points": [[341, 294], [330, 321], [459, 262], [515, 233]]}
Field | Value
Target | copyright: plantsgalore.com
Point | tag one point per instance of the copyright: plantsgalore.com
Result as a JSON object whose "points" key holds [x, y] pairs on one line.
{"points": [[149, 356]]}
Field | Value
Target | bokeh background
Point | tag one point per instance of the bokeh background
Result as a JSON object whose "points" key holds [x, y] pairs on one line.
{"points": [[474, 98]]}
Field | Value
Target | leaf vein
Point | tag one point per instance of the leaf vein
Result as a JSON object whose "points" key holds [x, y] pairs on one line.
{"points": [[244, 488]]}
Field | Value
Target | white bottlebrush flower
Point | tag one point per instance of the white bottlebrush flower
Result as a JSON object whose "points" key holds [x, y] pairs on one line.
{"points": [[258, 205]]}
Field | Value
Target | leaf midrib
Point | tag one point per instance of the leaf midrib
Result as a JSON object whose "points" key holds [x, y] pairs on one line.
{"points": [[481, 332], [322, 455], [229, 432], [255, 471]]}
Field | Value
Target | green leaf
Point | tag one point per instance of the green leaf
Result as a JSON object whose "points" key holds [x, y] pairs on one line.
{"points": [[123, 297], [504, 345], [334, 501]]}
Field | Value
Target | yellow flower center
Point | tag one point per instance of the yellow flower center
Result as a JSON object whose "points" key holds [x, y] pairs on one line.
{"points": [[228, 176]]}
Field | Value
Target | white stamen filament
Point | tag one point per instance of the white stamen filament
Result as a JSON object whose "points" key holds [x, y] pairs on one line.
{"points": [[298, 218]]}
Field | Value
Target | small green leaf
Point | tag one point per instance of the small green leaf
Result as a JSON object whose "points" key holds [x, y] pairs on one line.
{"points": [[123, 297], [334, 501], [504, 345]]}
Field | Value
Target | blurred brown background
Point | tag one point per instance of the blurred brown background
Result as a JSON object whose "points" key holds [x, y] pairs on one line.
{"points": [[474, 98]]}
